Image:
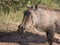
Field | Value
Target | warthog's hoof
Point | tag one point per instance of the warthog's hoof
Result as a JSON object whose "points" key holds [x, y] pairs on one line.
{"points": [[20, 32]]}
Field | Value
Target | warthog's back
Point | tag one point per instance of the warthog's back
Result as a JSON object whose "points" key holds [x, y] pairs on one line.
{"points": [[45, 18]]}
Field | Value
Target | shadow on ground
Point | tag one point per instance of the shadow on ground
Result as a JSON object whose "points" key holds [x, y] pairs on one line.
{"points": [[25, 39]]}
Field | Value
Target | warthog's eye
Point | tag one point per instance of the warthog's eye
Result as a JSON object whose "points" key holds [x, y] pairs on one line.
{"points": [[26, 13]]}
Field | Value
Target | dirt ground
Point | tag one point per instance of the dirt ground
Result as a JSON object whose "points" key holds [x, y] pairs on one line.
{"points": [[28, 38]]}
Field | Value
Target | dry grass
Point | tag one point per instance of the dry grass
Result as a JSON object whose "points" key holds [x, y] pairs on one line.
{"points": [[7, 20]]}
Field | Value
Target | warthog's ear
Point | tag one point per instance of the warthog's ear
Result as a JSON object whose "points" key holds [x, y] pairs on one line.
{"points": [[36, 7]]}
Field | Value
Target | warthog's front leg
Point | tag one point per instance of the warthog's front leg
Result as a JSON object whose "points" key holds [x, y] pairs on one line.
{"points": [[20, 30]]}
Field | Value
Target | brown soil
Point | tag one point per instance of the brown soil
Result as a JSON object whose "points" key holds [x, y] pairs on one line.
{"points": [[28, 38]]}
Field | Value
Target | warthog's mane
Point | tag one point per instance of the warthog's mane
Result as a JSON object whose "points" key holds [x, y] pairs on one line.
{"points": [[46, 8]]}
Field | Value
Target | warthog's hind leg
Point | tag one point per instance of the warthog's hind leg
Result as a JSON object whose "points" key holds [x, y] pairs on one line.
{"points": [[50, 35]]}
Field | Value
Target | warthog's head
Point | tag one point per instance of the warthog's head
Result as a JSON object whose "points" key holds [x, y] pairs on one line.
{"points": [[27, 21]]}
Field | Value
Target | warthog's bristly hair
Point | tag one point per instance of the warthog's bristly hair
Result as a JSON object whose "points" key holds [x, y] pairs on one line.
{"points": [[42, 18]]}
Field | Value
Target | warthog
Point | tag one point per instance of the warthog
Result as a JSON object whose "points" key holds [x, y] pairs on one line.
{"points": [[42, 18]]}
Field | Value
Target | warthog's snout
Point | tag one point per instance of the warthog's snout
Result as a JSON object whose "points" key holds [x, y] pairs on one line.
{"points": [[20, 29]]}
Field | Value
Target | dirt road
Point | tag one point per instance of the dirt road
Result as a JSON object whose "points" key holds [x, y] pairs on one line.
{"points": [[28, 38]]}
